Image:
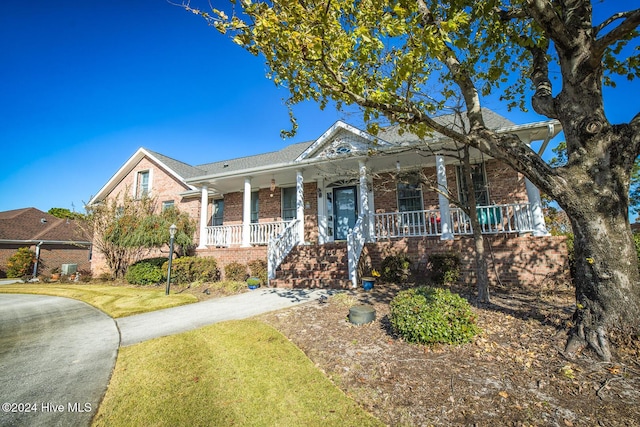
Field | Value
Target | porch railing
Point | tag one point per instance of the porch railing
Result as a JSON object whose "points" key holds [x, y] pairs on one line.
{"points": [[494, 219], [231, 235], [280, 245]]}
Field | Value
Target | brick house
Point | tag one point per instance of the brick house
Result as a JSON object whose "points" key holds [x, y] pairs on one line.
{"points": [[55, 241], [319, 211]]}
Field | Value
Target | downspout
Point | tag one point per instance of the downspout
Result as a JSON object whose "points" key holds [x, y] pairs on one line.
{"points": [[35, 265]]}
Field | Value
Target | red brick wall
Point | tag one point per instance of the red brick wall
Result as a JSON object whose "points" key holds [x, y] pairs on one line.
{"points": [[505, 186], [524, 260], [226, 256], [51, 256]]}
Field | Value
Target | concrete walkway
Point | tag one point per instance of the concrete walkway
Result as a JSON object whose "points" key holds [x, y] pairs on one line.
{"points": [[142, 327]]}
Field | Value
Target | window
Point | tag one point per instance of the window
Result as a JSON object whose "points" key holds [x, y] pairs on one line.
{"points": [[167, 205], [218, 212], [479, 184], [142, 184], [289, 203], [409, 197], [255, 206]]}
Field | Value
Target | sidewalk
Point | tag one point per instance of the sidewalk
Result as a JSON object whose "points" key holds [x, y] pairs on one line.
{"points": [[142, 327]]}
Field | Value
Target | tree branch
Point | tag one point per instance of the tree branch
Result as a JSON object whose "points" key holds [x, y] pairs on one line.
{"points": [[543, 12], [542, 101], [631, 22]]}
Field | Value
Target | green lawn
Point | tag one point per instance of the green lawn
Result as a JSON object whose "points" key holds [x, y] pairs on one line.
{"points": [[116, 301], [242, 373]]}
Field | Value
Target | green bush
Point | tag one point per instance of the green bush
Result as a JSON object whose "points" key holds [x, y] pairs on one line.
{"points": [[258, 268], [235, 271], [395, 269], [444, 268], [20, 264], [193, 269], [428, 315], [145, 272]]}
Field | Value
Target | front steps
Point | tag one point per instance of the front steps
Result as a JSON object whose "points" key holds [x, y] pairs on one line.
{"points": [[314, 266]]}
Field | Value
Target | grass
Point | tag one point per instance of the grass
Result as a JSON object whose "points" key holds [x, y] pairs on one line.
{"points": [[116, 301], [232, 373]]}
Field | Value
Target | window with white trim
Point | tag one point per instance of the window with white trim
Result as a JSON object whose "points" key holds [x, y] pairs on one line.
{"points": [[289, 203], [479, 179], [218, 212], [168, 204], [143, 183], [255, 206], [409, 197]]}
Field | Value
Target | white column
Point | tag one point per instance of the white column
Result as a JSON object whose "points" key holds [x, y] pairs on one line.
{"points": [[246, 213], [364, 196], [204, 208], [322, 212], [445, 215], [535, 205], [300, 205]]}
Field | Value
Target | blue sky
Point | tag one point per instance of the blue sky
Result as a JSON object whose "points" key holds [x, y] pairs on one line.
{"points": [[85, 83]]}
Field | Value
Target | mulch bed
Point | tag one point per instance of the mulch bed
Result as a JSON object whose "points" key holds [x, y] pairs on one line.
{"points": [[513, 374]]}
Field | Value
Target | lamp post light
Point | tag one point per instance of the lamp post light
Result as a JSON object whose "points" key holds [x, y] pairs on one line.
{"points": [[172, 233]]}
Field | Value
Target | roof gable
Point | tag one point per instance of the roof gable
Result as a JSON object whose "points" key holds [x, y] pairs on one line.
{"points": [[342, 140], [177, 169]]}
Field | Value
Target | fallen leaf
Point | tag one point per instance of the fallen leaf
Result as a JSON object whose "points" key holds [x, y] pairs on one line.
{"points": [[504, 394]]}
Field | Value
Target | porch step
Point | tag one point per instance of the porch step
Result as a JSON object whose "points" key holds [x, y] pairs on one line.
{"points": [[314, 266]]}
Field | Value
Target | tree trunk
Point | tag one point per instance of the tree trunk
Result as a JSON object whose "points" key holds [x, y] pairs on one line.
{"points": [[482, 272], [606, 280]]}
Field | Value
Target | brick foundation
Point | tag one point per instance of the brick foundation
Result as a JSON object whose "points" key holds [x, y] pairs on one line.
{"points": [[513, 260]]}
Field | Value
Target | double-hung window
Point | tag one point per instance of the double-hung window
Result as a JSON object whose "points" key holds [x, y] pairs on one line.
{"points": [[480, 187], [218, 212], [288, 203], [255, 206], [143, 184]]}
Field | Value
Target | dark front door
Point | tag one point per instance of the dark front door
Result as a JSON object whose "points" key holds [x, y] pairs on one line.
{"points": [[345, 211]]}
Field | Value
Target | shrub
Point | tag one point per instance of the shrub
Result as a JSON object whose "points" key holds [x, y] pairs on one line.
{"points": [[444, 268], [145, 272], [20, 264], [428, 315], [258, 268], [395, 268], [193, 269], [235, 271]]}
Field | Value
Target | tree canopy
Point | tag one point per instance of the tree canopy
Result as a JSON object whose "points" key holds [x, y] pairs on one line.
{"points": [[404, 61]]}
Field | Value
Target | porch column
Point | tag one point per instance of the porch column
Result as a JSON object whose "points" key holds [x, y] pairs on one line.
{"points": [[445, 215], [246, 213], [300, 205], [204, 208], [322, 212], [535, 205], [364, 198]]}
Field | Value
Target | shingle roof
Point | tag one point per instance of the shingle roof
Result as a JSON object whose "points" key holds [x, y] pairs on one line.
{"points": [[492, 121], [287, 154], [33, 224], [181, 168]]}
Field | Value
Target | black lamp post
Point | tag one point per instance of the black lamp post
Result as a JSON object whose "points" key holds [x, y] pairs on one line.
{"points": [[172, 233]]}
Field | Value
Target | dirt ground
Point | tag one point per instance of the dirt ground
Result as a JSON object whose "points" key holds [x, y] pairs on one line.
{"points": [[513, 374]]}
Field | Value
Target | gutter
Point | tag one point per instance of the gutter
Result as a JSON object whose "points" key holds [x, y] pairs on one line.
{"points": [[45, 242], [549, 124]]}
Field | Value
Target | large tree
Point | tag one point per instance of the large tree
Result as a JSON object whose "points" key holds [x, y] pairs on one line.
{"points": [[126, 229], [401, 61]]}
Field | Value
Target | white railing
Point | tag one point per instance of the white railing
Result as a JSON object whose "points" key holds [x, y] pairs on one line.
{"points": [[224, 235], [231, 235], [507, 218], [280, 245], [355, 243]]}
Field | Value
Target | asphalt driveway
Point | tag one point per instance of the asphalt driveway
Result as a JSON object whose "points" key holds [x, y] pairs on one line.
{"points": [[57, 354], [56, 358]]}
